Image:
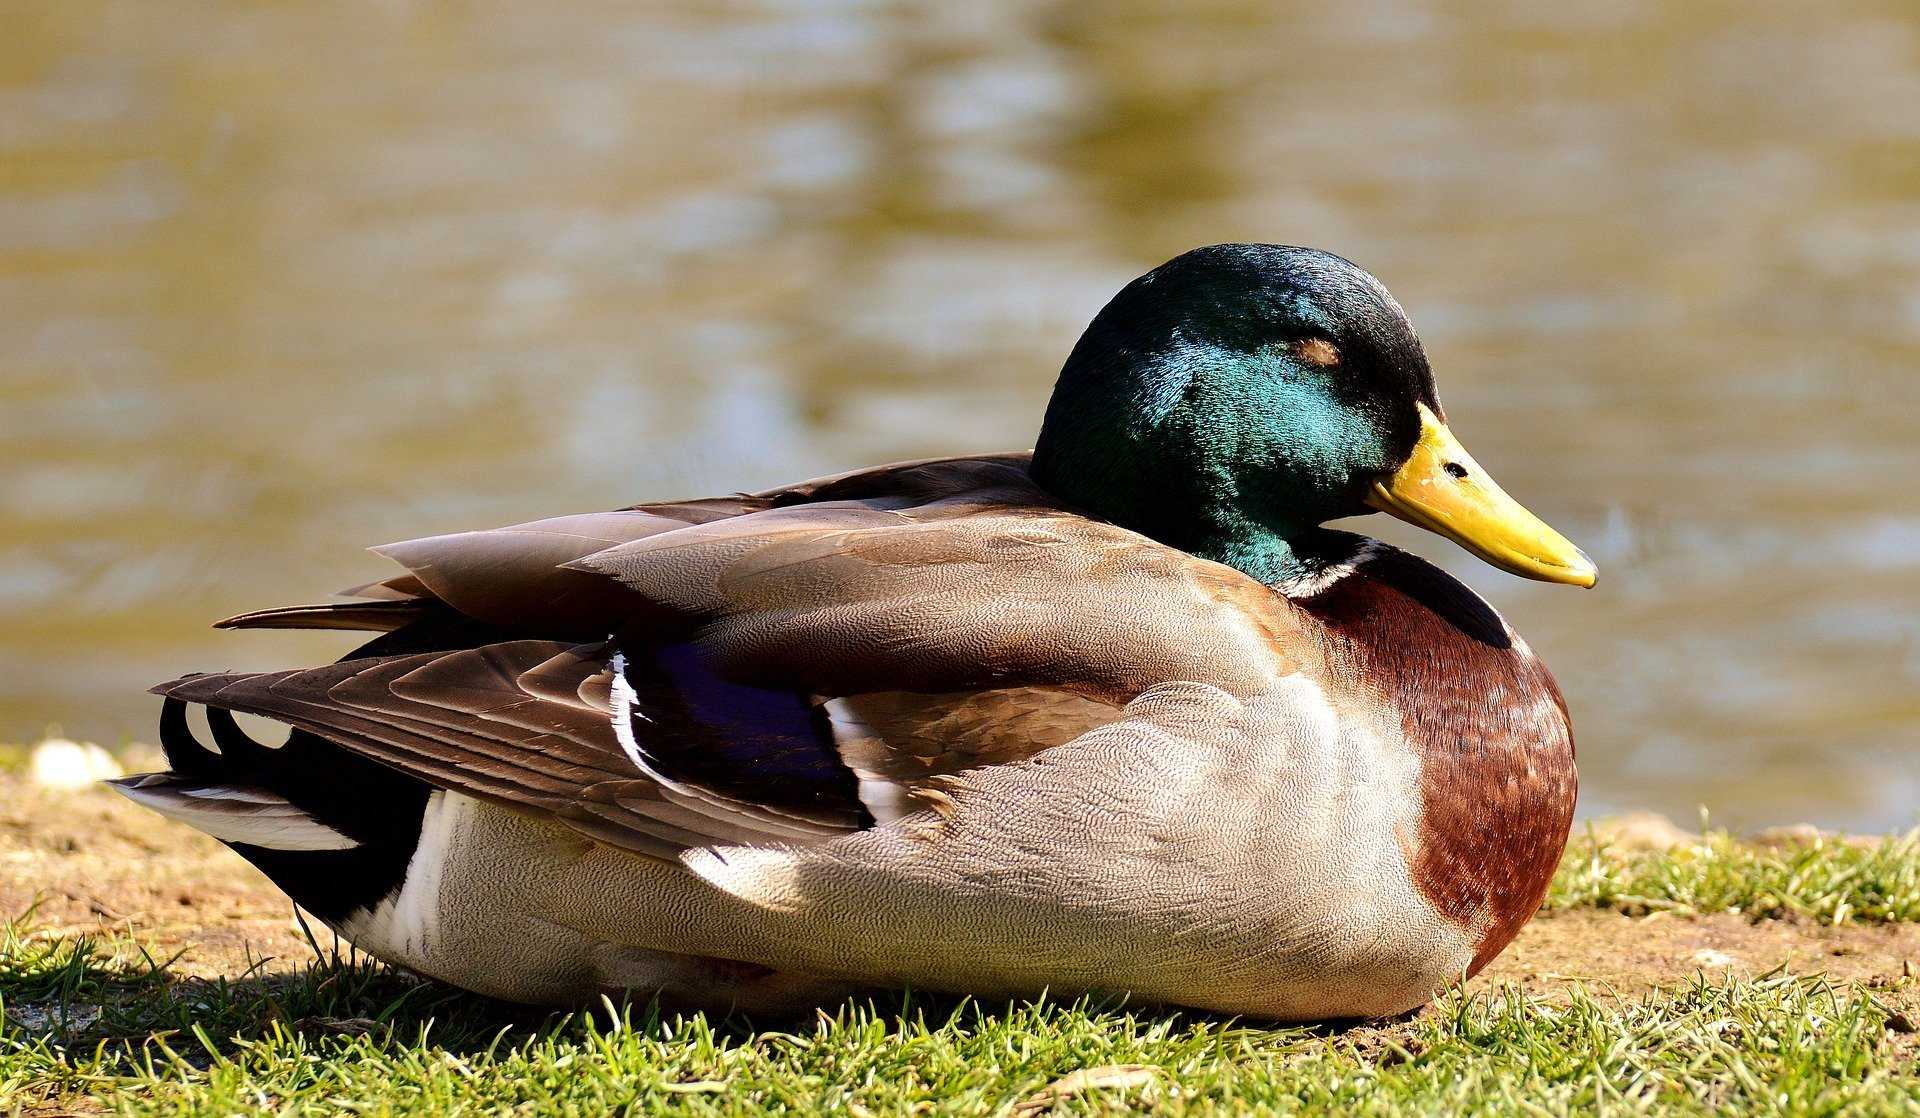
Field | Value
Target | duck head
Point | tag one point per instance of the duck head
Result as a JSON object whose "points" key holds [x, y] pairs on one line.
{"points": [[1235, 398]]}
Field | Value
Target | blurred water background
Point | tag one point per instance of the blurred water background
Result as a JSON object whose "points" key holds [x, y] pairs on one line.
{"points": [[278, 281]]}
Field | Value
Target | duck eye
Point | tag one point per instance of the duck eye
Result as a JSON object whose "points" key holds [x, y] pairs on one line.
{"points": [[1456, 469], [1318, 351]]}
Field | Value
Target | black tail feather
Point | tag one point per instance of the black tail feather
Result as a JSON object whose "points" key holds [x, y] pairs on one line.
{"points": [[185, 755], [235, 745], [377, 807]]}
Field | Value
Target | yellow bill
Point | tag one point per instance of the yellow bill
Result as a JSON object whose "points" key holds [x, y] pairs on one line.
{"points": [[1442, 489]]}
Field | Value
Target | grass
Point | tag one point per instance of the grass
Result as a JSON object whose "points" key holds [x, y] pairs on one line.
{"points": [[95, 1024], [1831, 881], [350, 1037]]}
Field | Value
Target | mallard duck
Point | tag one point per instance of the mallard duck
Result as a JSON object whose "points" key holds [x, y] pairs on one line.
{"points": [[1115, 715]]}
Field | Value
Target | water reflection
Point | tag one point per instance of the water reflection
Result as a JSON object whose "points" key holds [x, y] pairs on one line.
{"points": [[277, 282]]}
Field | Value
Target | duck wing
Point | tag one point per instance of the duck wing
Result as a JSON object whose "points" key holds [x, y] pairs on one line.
{"points": [[671, 676]]}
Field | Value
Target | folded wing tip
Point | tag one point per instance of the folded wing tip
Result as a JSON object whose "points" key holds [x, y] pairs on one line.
{"points": [[381, 616], [167, 689], [399, 550]]}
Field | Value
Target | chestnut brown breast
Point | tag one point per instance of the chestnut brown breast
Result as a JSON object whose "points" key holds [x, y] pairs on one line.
{"points": [[1488, 723]]}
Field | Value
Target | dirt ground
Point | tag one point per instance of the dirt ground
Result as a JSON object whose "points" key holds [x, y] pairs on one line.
{"points": [[89, 861]]}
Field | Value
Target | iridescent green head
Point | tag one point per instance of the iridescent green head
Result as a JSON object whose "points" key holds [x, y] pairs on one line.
{"points": [[1238, 396]]}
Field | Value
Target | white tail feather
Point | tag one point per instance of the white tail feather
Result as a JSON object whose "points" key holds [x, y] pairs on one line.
{"points": [[252, 816]]}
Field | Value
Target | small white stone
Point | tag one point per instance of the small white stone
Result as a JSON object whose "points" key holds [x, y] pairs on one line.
{"points": [[1708, 957], [62, 764]]}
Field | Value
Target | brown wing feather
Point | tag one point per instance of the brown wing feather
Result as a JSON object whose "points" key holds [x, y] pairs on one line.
{"points": [[946, 577], [517, 577], [466, 720], [844, 599], [372, 617]]}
